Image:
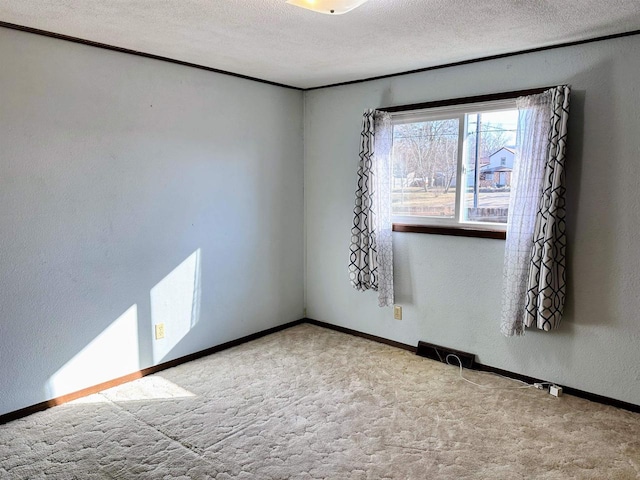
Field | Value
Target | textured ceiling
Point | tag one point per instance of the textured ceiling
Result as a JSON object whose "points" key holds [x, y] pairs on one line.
{"points": [[271, 40]]}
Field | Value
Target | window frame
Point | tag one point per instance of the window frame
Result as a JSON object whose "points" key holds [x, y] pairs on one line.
{"points": [[459, 113], [471, 105]]}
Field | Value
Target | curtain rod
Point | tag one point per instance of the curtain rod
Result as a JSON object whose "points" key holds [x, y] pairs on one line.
{"points": [[463, 100]]}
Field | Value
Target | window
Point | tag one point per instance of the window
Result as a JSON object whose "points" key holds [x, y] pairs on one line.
{"points": [[447, 171]]}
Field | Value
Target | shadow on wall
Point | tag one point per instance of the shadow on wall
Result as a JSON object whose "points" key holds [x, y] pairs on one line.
{"points": [[118, 349], [590, 228], [594, 171]]}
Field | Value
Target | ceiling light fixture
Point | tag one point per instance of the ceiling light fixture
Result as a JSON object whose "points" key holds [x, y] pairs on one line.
{"points": [[331, 7]]}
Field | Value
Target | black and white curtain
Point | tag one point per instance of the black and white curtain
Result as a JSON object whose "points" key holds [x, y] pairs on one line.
{"points": [[535, 250], [371, 255]]}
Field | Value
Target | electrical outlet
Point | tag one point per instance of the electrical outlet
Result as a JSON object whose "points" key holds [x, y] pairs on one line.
{"points": [[555, 390], [397, 312], [159, 331]]}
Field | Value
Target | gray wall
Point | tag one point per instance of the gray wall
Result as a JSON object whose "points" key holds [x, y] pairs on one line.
{"points": [[134, 191], [450, 287]]}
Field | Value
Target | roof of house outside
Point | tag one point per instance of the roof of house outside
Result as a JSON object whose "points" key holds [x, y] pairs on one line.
{"points": [[508, 149]]}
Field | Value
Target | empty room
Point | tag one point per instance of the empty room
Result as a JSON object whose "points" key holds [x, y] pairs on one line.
{"points": [[319, 239]]}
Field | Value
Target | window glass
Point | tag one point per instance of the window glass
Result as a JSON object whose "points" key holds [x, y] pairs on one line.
{"points": [[425, 167], [491, 139], [453, 166]]}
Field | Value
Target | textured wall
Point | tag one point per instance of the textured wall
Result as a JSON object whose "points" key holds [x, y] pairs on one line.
{"points": [[450, 287], [131, 192]]}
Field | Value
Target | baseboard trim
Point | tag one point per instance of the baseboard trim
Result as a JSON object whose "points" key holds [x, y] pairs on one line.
{"points": [[38, 407], [357, 333], [487, 368], [632, 407]]}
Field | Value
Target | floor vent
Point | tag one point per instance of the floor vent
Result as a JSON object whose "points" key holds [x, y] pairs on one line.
{"points": [[436, 352]]}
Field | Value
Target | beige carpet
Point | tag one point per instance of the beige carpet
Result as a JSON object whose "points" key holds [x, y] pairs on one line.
{"points": [[313, 403]]}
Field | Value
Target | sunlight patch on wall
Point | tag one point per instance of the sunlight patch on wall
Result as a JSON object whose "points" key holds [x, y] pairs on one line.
{"points": [[112, 354], [175, 303]]}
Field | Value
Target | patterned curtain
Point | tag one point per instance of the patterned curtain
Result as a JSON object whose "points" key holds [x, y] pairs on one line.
{"points": [[371, 255], [534, 264]]}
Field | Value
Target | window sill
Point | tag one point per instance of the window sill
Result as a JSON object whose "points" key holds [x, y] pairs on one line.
{"points": [[457, 232]]}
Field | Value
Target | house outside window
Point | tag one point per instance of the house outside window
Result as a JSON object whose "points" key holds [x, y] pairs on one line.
{"points": [[452, 165]]}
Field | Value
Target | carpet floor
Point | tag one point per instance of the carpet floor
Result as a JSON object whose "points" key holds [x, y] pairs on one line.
{"points": [[309, 403]]}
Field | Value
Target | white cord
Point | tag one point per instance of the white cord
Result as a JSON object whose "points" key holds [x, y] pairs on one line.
{"points": [[526, 385]]}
